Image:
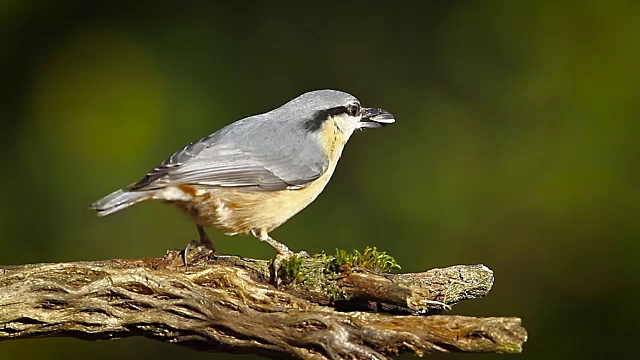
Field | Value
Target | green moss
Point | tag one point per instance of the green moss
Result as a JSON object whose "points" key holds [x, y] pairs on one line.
{"points": [[370, 259], [292, 271], [319, 272], [337, 295]]}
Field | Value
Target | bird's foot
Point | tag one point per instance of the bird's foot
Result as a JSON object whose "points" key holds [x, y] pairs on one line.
{"points": [[302, 254], [205, 240], [432, 304], [281, 257], [195, 251], [283, 253]]}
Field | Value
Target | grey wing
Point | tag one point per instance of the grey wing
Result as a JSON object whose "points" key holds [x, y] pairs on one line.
{"points": [[252, 160]]}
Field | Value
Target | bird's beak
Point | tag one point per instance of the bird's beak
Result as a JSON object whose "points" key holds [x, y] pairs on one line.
{"points": [[375, 118]]}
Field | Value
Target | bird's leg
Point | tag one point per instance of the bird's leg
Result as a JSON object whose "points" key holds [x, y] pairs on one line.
{"points": [[204, 241], [282, 249]]}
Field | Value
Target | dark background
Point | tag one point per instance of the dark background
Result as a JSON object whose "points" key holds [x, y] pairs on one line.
{"points": [[516, 144]]}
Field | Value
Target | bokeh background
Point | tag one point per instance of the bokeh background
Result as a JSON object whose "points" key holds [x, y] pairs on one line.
{"points": [[516, 144]]}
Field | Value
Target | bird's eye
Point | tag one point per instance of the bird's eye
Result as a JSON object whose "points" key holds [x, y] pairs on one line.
{"points": [[353, 109]]}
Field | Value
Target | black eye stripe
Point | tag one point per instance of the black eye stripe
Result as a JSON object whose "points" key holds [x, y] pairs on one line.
{"points": [[335, 111], [321, 116]]}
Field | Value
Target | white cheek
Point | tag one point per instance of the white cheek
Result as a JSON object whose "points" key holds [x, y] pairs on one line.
{"points": [[347, 124]]}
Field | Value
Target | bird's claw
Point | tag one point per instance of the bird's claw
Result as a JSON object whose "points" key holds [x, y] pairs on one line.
{"points": [[201, 251], [433, 303], [284, 256]]}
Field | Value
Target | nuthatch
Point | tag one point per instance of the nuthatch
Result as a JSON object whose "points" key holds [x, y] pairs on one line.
{"points": [[254, 174]]}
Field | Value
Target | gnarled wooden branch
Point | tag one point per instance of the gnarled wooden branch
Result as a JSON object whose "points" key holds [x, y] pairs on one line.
{"points": [[223, 303]]}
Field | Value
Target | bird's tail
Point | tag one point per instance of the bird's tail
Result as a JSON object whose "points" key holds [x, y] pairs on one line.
{"points": [[119, 200]]}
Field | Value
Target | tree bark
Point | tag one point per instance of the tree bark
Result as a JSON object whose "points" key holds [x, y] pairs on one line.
{"points": [[226, 303]]}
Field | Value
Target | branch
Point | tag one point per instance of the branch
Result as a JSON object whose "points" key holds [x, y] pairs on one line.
{"points": [[223, 303]]}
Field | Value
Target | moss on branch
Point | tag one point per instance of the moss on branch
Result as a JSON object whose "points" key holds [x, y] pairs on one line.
{"points": [[326, 307]]}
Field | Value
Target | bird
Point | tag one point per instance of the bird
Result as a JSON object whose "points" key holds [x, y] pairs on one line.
{"points": [[254, 174]]}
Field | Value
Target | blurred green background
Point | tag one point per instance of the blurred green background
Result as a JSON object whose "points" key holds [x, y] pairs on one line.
{"points": [[516, 144]]}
